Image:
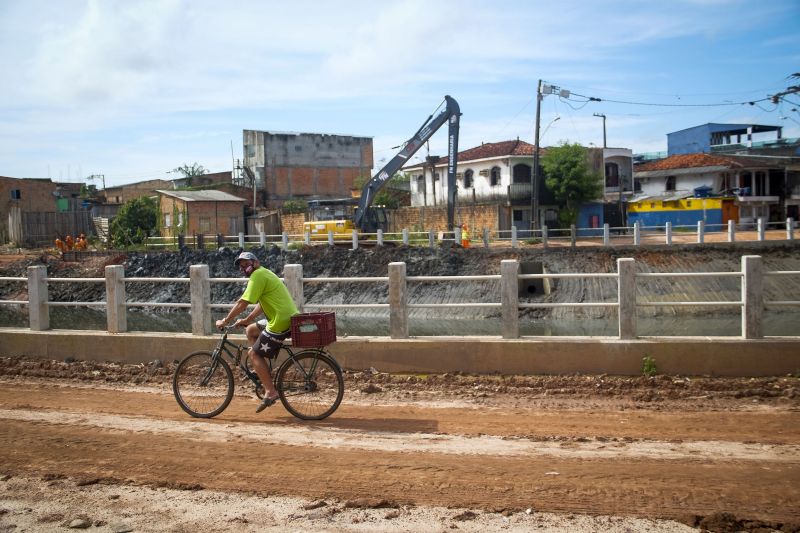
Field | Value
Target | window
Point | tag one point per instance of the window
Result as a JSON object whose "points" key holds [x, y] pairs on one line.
{"points": [[436, 176], [522, 174], [670, 183], [16, 194], [167, 220], [233, 224], [205, 224], [494, 179], [612, 175], [180, 219], [420, 183], [468, 175]]}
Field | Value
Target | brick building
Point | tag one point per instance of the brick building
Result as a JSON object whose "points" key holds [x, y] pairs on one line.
{"points": [[305, 165], [130, 191], [206, 212], [25, 196]]}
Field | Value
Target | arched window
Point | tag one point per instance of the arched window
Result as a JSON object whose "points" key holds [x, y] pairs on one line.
{"points": [[522, 173], [468, 179], [494, 177], [612, 175]]}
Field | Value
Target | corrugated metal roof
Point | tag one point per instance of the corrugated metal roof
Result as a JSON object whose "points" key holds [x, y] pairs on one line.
{"points": [[202, 196]]}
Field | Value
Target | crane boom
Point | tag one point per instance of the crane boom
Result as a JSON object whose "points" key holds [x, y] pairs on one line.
{"points": [[451, 114]]}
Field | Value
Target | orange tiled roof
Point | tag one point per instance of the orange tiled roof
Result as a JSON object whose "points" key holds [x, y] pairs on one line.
{"points": [[489, 150], [699, 160]]}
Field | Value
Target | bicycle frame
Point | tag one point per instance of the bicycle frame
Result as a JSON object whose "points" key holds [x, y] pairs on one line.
{"points": [[228, 347]]}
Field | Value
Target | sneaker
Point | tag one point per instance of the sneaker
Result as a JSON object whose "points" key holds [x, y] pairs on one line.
{"points": [[266, 403]]}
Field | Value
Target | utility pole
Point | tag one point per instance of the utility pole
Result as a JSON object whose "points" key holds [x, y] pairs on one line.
{"points": [[604, 128], [535, 180]]}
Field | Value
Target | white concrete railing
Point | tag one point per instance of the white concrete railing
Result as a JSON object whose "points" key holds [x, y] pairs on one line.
{"points": [[751, 302], [604, 236]]}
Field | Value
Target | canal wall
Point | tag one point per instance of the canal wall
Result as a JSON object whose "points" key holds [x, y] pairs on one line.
{"points": [[686, 356]]}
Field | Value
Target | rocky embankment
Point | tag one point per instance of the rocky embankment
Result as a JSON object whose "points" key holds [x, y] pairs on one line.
{"points": [[324, 261]]}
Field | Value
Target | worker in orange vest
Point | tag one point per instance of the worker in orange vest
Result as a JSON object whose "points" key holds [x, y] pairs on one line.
{"points": [[60, 245], [70, 242], [81, 243], [464, 236]]}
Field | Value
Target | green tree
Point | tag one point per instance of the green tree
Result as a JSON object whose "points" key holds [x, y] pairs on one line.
{"points": [[294, 206], [136, 220], [570, 179], [190, 172]]}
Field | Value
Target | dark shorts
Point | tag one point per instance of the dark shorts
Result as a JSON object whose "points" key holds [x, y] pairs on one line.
{"points": [[269, 343]]}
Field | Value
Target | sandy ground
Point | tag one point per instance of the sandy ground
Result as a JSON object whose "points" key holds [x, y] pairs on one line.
{"points": [[105, 446]]}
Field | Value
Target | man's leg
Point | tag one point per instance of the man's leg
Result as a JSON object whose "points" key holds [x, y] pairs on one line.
{"points": [[262, 369]]}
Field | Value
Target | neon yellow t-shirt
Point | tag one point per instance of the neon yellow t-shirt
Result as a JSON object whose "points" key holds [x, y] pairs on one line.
{"points": [[269, 291]]}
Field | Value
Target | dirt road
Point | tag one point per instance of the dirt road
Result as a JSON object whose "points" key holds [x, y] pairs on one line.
{"points": [[110, 446]]}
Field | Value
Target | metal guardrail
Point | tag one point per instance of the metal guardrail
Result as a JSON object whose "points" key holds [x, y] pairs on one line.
{"points": [[751, 301]]}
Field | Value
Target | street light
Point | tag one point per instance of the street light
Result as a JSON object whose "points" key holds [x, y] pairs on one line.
{"points": [[548, 126], [604, 128]]}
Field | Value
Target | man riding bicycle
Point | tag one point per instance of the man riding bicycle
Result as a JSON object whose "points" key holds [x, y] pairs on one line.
{"points": [[265, 289]]}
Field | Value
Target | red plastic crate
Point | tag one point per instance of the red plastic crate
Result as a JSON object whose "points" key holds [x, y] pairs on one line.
{"points": [[313, 329]]}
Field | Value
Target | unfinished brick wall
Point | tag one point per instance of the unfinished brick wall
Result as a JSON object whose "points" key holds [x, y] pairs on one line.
{"points": [[293, 223], [476, 217]]}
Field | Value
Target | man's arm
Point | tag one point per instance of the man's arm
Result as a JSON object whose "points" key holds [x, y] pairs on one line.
{"points": [[240, 306], [249, 319]]}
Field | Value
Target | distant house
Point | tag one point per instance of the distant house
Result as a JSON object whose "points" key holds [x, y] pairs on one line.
{"points": [[304, 165], [759, 185], [205, 212], [502, 173], [130, 191], [713, 137]]}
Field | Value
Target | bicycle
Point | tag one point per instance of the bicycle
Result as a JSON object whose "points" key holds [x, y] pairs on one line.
{"points": [[309, 381]]}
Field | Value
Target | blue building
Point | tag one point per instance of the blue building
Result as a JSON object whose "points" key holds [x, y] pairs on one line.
{"points": [[718, 137]]}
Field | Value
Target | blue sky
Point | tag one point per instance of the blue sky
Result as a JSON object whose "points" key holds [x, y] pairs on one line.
{"points": [[132, 89]]}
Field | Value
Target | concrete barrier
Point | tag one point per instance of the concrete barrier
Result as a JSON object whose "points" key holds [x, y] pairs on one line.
{"points": [[688, 356]]}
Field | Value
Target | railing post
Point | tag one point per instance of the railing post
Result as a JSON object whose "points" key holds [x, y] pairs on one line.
{"points": [[513, 236], [38, 312], [637, 233], [761, 226], [241, 240], [752, 296], [701, 231], [262, 239], [626, 269], [606, 234], [731, 231], [544, 236], [405, 236], [398, 301], [330, 238], [293, 279], [116, 315], [285, 237], [572, 235], [790, 229], [355, 240], [485, 237], [431, 238], [509, 297], [200, 290], [457, 235], [668, 232], [380, 237]]}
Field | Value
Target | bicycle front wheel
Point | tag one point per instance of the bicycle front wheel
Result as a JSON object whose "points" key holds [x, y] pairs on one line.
{"points": [[203, 384], [310, 385]]}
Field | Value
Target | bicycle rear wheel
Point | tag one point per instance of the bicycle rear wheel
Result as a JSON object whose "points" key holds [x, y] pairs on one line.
{"points": [[203, 385], [310, 385]]}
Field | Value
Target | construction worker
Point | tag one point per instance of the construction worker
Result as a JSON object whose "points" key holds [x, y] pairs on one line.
{"points": [[60, 245], [81, 243], [464, 236], [69, 242]]}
